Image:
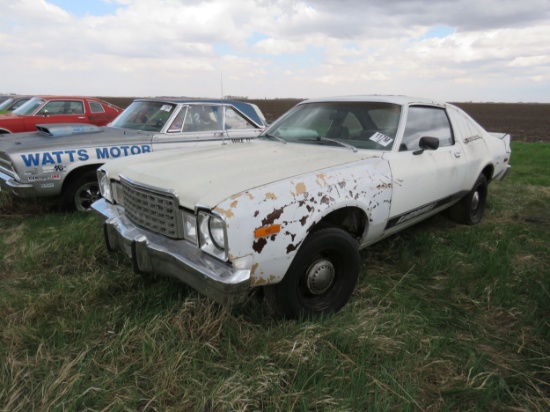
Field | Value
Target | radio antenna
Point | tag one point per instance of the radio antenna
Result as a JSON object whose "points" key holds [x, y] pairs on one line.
{"points": [[221, 83]]}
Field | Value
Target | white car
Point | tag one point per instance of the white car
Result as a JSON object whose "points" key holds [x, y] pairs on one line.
{"points": [[290, 211]]}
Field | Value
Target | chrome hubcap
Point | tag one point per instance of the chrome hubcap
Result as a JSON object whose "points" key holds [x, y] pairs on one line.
{"points": [[475, 200], [320, 277]]}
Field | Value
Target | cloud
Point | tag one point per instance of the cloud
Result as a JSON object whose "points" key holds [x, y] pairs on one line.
{"points": [[459, 49]]}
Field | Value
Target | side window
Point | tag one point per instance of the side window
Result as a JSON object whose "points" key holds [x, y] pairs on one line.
{"points": [[177, 124], [59, 107], [203, 118], [426, 121], [96, 107], [234, 120]]}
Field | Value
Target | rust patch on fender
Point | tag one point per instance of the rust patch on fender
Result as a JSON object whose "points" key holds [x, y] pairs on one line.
{"points": [[269, 219], [292, 248], [234, 204], [259, 245]]}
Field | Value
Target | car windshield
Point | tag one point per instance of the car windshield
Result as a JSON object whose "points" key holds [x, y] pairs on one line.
{"points": [[6, 103], [362, 125], [30, 107], [148, 116]]}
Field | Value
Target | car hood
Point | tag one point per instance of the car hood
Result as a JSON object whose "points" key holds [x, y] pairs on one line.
{"points": [[207, 176], [35, 141]]}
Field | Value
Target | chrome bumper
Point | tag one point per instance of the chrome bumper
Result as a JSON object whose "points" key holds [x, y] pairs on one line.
{"points": [[154, 253], [8, 184]]}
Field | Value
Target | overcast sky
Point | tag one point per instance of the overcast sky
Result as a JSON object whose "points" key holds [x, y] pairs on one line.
{"points": [[453, 50]]}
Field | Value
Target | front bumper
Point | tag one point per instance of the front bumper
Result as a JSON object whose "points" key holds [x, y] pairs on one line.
{"points": [[8, 184], [154, 253]]}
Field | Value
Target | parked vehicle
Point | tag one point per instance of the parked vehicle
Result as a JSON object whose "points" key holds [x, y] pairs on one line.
{"points": [[290, 211], [12, 103], [62, 159], [57, 109]]}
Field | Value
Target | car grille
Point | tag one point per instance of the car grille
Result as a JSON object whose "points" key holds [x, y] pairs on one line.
{"points": [[6, 167], [152, 209]]}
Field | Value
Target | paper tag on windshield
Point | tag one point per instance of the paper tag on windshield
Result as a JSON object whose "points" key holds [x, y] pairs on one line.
{"points": [[381, 139], [166, 108]]}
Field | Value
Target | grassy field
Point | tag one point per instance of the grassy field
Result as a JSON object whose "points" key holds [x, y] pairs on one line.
{"points": [[445, 317]]}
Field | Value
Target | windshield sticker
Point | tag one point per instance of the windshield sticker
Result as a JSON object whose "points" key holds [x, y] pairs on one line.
{"points": [[230, 113], [381, 139], [166, 108]]}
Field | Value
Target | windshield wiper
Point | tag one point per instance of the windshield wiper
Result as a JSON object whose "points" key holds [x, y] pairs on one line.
{"points": [[338, 142], [278, 138]]}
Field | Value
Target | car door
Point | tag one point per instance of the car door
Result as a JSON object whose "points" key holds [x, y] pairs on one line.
{"points": [[97, 114], [425, 181], [193, 125], [61, 111]]}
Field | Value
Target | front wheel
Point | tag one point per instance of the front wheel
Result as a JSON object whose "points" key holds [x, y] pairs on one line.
{"points": [[80, 193], [320, 279], [470, 209]]}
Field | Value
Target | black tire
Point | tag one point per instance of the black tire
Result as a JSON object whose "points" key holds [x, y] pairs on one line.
{"points": [[80, 193], [470, 209], [320, 279]]}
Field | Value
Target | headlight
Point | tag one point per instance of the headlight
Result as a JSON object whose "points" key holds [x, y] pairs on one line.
{"points": [[212, 235], [104, 185]]}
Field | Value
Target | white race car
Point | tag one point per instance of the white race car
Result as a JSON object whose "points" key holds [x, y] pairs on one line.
{"points": [[290, 211]]}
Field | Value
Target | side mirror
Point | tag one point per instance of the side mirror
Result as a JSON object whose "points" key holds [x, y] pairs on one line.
{"points": [[427, 143]]}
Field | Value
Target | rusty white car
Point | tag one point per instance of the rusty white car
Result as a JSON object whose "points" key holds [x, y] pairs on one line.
{"points": [[290, 211], [60, 160]]}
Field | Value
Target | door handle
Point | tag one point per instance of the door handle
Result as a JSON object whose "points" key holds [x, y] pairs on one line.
{"points": [[458, 154]]}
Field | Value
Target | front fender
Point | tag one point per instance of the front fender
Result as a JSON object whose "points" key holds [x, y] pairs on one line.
{"points": [[289, 209]]}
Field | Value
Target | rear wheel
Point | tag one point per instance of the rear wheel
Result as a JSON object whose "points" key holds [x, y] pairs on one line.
{"points": [[320, 279], [470, 209], [80, 193]]}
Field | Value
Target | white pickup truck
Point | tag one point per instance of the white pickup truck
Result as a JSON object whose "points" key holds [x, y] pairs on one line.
{"points": [[290, 211]]}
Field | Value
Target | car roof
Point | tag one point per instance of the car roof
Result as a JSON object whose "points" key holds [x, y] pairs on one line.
{"points": [[247, 109], [396, 99]]}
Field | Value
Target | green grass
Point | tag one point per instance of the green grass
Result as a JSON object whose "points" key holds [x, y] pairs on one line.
{"points": [[445, 317]]}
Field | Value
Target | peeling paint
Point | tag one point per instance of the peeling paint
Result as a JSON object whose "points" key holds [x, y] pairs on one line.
{"points": [[253, 268], [303, 220], [259, 244], [292, 248], [270, 196], [320, 180], [234, 204], [270, 219], [300, 188], [227, 213]]}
